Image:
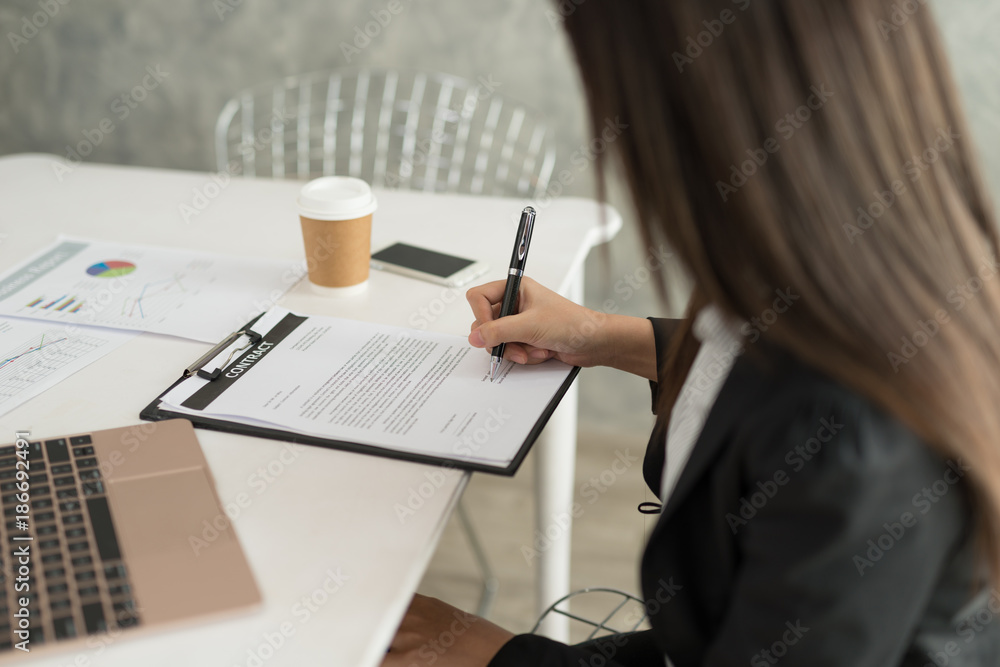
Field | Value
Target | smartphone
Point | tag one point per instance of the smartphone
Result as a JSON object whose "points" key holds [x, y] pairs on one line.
{"points": [[430, 265]]}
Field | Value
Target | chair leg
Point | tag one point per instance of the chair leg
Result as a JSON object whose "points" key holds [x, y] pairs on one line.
{"points": [[490, 583]]}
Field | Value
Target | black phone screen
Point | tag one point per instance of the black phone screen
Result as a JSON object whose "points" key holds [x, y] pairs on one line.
{"points": [[421, 259]]}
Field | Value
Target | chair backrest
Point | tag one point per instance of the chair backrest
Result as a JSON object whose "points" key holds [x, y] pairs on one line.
{"points": [[417, 131]]}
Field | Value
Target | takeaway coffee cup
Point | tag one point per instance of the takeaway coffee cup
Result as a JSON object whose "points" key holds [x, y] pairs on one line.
{"points": [[336, 215]]}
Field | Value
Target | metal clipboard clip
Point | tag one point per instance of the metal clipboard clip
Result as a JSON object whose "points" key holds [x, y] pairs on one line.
{"points": [[196, 368]]}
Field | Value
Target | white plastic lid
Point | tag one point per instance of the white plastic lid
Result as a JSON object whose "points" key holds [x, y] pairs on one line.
{"points": [[336, 198]]}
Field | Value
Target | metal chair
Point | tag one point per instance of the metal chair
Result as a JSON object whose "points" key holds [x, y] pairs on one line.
{"points": [[627, 612], [393, 129], [410, 130]]}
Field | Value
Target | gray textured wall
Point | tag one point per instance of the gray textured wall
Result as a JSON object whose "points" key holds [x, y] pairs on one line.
{"points": [[62, 81], [67, 77]]}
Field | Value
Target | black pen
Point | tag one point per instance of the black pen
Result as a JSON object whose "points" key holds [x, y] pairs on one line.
{"points": [[517, 261]]}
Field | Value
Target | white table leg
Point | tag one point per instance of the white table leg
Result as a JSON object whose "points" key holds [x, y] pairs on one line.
{"points": [[556, 465]]}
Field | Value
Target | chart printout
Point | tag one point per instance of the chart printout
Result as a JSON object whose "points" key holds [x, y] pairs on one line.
{"points": [[36, 355], [197, 295]]}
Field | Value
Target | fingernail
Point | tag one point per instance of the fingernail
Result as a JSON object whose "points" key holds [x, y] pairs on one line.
{"points": [[519, 357], [476, 339], [539, 354]]}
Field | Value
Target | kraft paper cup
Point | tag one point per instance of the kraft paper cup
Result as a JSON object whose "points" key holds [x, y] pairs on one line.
{"points": [[336, 216]]}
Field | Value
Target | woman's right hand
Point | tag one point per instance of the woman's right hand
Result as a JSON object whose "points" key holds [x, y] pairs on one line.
{"points": [[548, 326]]}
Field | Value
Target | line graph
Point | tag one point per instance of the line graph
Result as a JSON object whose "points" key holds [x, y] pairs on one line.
{"points": [[33, 364], [171, 289], [41, 345]]}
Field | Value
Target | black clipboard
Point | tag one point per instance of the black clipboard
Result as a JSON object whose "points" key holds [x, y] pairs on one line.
{"points": [[153, 412]]}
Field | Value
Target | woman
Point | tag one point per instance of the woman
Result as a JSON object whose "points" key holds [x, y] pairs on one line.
{"points": [[829, 408]]}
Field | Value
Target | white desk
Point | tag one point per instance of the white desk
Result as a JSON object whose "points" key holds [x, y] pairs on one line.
{"points": [[324, 510]]}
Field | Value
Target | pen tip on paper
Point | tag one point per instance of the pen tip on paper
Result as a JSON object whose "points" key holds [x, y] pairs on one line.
{"points": [[493, 369]]}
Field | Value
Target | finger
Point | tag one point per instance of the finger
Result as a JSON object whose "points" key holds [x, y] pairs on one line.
{"points": [[492, 290], [516, 353], [483, 298], [525, 354], [520, 328], [528, 355], [538, 354], [478, 323]]}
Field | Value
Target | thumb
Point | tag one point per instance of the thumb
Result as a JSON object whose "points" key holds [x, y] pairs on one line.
{"points": [[512, 329]]}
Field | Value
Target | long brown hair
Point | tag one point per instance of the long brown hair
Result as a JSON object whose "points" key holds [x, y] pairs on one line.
{"points": [[818, 146]]}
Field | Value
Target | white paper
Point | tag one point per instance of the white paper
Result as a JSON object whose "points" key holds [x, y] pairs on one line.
{"points": [[400, 389], [196, 295], [35, 355]]}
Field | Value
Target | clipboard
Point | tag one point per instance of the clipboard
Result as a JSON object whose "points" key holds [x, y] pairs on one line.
{"points": [[153, 412]]}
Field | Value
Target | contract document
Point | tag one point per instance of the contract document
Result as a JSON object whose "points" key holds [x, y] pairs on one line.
{"points": [[368, 387]]}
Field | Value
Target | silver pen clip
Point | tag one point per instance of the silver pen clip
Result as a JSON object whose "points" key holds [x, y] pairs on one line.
{"points": [[522, 244], [196, 368]]}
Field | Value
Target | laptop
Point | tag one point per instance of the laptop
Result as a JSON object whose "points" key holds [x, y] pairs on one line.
{"points": [[110, 538]]}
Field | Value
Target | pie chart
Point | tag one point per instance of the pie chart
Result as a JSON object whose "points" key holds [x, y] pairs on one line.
{"points": [[111, 268]]}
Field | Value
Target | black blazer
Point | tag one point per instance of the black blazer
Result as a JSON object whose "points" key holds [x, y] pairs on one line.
{"points": [[808, 528]]}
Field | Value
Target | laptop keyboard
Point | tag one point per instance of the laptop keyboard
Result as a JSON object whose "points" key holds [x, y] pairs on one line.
{"points": [[75, 580]]}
